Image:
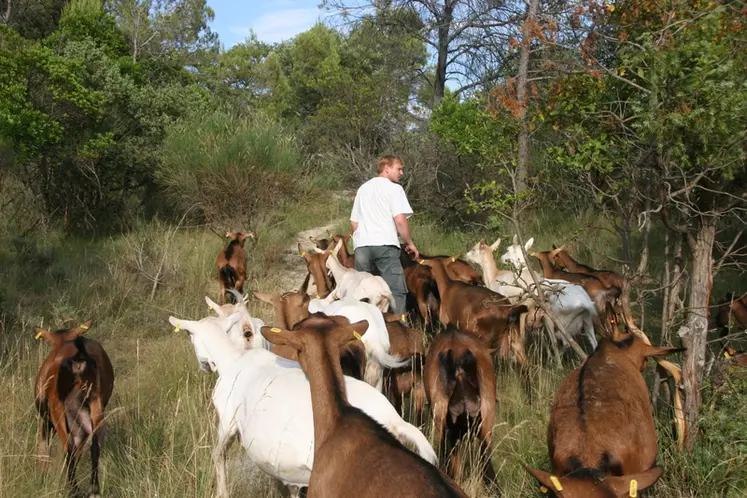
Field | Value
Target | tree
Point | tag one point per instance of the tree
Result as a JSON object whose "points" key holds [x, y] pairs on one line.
{"points": [[165, 29], [467, 37], [672, 101]]}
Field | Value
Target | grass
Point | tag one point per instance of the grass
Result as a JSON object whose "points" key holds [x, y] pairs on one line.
{"points": [[160, 422]]}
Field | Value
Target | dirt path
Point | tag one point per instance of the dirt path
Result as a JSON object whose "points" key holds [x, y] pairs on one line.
{"points": [[295, 271]]}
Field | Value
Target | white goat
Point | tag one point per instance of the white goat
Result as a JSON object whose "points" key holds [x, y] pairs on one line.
{"points": [[569, 303], [358, 284], [376, 338], [246, 333], [266, 401]]}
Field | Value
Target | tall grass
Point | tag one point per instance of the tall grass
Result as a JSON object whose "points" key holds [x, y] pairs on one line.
{"points": [[160, 421]]}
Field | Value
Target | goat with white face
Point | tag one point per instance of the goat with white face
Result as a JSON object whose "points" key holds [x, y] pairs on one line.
{"points": [[266, 401], [569, 303], [244, 333]]}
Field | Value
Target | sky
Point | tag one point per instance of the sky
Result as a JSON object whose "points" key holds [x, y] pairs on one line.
{"points": [[271, 20]]}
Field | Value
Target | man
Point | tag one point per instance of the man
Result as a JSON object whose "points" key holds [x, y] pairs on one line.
{"points": [[380, 211]]}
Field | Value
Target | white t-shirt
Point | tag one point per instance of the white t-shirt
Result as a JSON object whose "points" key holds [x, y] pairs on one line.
{"points": [[376, 204]]}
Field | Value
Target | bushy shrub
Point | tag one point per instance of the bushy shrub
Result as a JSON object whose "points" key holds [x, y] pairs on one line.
{"points": [[228, 168]]}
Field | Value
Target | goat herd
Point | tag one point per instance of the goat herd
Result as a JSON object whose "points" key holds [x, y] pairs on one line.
{"points": [[316, 398]]}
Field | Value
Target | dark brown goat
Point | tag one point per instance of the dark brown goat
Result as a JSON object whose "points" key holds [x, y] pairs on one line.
{"points": [[293, 307], [316, 263], [422, 291], [460, 386], [480, 311], [602, 424], [597, 291], [732, 314], [563, 261], [354, 456], [231, 264], [405, 342], [72, 389], [457, 269]]}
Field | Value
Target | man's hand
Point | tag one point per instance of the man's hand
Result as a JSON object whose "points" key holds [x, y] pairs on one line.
{"points": [[412, 250]]}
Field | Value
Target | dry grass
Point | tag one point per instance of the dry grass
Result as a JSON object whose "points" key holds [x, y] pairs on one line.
{"points": [[160, 422]]}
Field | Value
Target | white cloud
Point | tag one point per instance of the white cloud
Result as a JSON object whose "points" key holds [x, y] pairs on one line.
{"points": [[280, 25]]}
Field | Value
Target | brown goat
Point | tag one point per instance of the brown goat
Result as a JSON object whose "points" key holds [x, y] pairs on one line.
{"points": [[602, 424], [480, 311], [563, 261], [316, 263], [354, 456], [405, 342], [293, 307], [72, 389], [460, 386], [597, 291], [732, 314], [231, 264]]}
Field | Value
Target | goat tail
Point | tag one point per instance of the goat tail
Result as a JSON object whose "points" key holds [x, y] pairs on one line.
{"points": [[412, 434], [228, 276], [376, 349]]}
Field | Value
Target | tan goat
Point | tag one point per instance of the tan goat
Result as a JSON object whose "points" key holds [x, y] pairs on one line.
{"points": [[480, 311], [601, 436], [354, 456], [460, 385]]}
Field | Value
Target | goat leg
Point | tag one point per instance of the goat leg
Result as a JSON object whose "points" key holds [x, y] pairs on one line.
{"points": [[219, 459], [97, 421], [71, 459]]}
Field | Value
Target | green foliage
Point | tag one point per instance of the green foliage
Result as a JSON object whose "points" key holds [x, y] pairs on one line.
{"points": [[229, 167]]}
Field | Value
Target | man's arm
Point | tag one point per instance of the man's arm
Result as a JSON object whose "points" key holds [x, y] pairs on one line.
{"points": [[403, 227]]}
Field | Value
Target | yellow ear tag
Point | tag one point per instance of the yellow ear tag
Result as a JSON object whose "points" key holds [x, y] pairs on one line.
{"points": [[404, 317], [726, 354], [543, 490], [633, 488], [178, 327], [453, 259], [275, 329], [556, 483], [357, 335], [421, 261], [318, 296], [303, 253], [84, 327], [38, 336]]}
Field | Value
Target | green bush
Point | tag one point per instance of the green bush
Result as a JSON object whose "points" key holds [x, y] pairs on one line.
{"points": [[228, 168]]}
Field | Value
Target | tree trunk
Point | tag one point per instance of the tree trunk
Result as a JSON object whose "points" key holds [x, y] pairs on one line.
{"points": [[444, 27], [693, 332], [522, 164]]}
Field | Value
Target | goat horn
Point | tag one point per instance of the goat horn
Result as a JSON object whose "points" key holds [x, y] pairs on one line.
{"points": [[516, 240]]}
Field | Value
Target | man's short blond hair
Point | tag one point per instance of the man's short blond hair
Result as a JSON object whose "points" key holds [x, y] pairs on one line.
{"points": [[388, 160]]}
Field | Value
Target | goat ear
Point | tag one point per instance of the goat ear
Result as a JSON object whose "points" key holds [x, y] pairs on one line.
{"points": [[312, 238], [83, 327], [266, 298], [301, 251], [180, 324], [352, 332], [482, 244], [231, 235], [529, 243], [330, 234], [337, 248], [629, 485], [214, 306], [282, 337], [40, 333], [494, 245], [659, 351], [542, 477]]}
